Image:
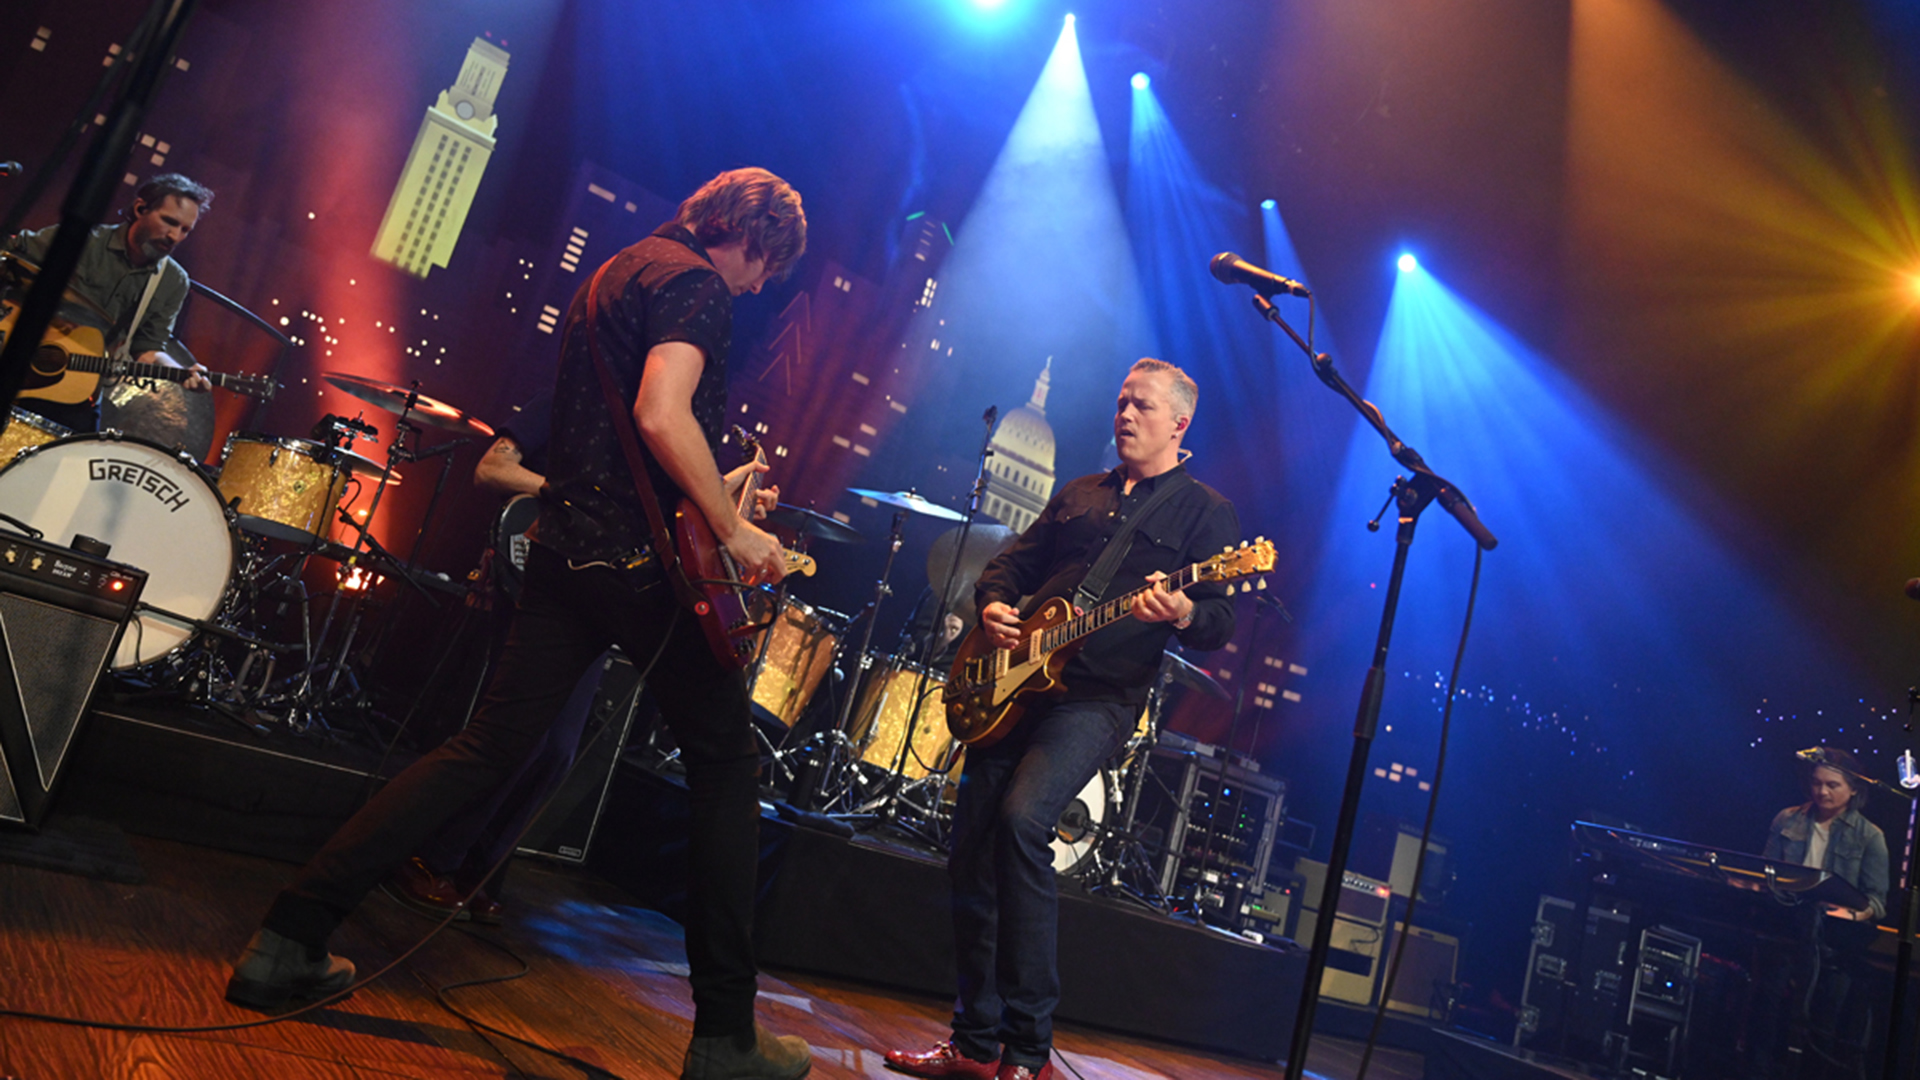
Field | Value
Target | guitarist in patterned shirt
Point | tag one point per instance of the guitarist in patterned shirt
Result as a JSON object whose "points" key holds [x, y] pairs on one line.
{"points": [[1005, 907], [661, 312]]}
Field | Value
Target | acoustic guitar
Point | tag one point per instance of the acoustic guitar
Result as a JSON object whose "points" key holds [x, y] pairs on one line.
{"points": [[990, 688], [71, 359], [729, 613]]}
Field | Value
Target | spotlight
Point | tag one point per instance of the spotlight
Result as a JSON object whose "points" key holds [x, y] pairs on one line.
{"points": [[1069, 18], [1914, 283], [988, 5], [1267, 204], [1140, 80], [1408, 264]]}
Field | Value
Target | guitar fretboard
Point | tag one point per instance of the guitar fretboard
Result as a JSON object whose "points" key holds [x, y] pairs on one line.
{"points": [[1108, 613]]}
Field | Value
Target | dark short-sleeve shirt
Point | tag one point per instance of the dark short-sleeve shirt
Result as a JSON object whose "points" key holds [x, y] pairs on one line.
{"points": [[106, 276], [1120, 661], [662, 289]]}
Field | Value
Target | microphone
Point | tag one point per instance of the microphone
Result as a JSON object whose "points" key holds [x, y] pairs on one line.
{"points": [[11, 168], [1231, 269], [1909, 771]]}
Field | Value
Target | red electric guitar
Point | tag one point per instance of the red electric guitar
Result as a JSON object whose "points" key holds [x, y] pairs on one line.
{"points": [[731, 614]]}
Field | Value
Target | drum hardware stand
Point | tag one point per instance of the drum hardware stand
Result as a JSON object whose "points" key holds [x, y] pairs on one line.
{"points": [[839, 750], [1120, 853], [888, 807]]}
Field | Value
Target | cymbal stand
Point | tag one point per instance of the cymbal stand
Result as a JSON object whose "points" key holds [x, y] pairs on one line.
{"points": [[839, 750], [1127, 872], [888, 806], [305, 702]]}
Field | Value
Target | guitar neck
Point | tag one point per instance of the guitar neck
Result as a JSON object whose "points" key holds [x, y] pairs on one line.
{"points": [[134, 369], [1110, 612]]}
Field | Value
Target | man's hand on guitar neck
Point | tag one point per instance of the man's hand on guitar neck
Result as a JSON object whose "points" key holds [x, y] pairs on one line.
{"points": [[1159, 605], [195, 381], [765, 498]]}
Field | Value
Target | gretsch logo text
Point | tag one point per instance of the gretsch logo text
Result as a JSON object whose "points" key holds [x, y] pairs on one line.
{"points": [[170, 494]]}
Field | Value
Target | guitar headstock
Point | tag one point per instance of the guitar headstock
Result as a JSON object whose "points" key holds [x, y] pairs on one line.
{"points": [[254, 386], [749, 444], [1233, 564]]}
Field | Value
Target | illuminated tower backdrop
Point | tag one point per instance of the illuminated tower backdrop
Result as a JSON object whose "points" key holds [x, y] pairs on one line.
{"points": [[450, 154], [1020, 476]]}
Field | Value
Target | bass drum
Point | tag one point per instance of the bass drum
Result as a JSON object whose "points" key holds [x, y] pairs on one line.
{"points": [[155, 507], [1078, 833]]}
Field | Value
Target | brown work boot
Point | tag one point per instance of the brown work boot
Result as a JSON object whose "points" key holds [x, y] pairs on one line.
{"points": [[760, 1056]]}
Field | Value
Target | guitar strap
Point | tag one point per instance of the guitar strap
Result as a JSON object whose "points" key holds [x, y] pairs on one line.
{"points": [[1092, 587], [623, 428], [123, 352]]}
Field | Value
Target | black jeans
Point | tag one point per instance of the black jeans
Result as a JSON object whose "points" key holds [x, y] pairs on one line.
{"points": [[483, 835], [1006, 908], [566, 619]]}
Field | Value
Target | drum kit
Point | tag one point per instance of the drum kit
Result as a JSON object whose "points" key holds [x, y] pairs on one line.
{"points": [[222, 544]]}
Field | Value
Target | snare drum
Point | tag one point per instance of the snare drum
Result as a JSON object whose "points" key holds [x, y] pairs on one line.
{"points": [[886, 703], [286, 488], [157, 510], [27, 429], [798, 653]]}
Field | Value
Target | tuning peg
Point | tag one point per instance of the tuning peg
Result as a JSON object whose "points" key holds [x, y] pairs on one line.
{"points": [[1229, 590], [1261, 585], [1226, 549], [1259, 539]]}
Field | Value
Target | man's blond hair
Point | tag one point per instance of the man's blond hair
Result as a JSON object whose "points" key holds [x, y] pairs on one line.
{"points": [[1186, 392]]}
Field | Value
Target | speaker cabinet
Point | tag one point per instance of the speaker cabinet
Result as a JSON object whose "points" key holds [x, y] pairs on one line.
{"points": [[61, 615], [565, 829], [1429, 963]]}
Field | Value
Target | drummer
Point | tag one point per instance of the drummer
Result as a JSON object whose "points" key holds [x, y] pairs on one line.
{"points": [[127, 271]]}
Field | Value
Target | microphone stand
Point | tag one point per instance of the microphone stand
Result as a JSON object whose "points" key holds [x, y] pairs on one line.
{"points": [[1413, 494]]}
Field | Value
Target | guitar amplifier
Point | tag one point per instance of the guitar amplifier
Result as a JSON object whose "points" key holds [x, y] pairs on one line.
{"points": [[61, 616], [564, 830]]}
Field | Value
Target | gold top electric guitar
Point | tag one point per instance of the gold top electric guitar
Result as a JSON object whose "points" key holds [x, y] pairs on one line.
{"points": [[990, 688]]}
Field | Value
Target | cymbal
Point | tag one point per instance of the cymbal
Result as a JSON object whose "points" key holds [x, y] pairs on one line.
{"points": [[907, 500], [812, 523], [984, 541], [1187, 673], [426, 410]]}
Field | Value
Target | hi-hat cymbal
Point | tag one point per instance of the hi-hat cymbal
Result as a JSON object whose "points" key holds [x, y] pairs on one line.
{"points": [[812, 523], [413, 405], [907, 500], [1187, 673]]}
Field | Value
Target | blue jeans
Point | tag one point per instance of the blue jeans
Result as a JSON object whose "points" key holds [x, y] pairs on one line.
{"points": [[1006, 909]]}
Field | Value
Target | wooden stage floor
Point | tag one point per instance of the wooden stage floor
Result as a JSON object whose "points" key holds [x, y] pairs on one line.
{"points": [[606, 985]]}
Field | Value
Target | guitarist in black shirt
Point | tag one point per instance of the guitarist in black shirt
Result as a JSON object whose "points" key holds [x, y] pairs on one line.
{"points": [[1005, 907]]}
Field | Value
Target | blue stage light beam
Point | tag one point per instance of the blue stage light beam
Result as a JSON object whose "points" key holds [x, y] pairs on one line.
{"points": [[1253, 436], [1140, 81], [1619, 645], [1407, 263], [1040, 268]]}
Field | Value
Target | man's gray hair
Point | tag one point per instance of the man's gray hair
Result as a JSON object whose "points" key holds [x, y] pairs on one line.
{"points": [[1186, 392]]}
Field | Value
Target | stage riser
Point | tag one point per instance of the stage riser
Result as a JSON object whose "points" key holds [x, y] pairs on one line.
{"points": [[859, 911]]}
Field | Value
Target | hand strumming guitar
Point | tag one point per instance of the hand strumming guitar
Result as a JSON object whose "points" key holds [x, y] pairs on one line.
{"points": [[1001, 623]]}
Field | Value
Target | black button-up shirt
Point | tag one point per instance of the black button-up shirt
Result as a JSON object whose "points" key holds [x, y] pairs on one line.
{"points": [[1119, 662]]}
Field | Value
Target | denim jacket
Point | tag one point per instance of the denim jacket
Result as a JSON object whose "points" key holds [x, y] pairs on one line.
{"points": [[1856, 849]]}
